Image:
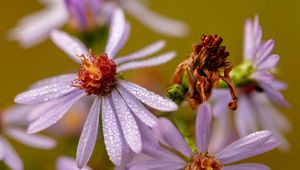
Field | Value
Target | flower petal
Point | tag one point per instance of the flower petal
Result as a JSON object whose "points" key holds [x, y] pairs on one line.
{"points": [[122, 41], [156, 22], [269, 62], [88, 135], [65, 78], [2, 151], [244, 147], [70, 45], [138, 108], [274, 95], [252, 39], [264, 51], [11, 158], [222, 133], [144, 52], [149, 98], [116, 32], [35, 141], [167, 134], [128, 124], [16, 115], [34, 28], [64, 162], [246, 116], [248, 47], [271, 119], [111, 132], [55, 113], [262, 77], [158, 60], [246, 166], [154, 164], [44, 94], [203, 125]]}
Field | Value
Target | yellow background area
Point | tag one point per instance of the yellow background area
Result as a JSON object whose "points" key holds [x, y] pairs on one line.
{"points": [[279, 20]]}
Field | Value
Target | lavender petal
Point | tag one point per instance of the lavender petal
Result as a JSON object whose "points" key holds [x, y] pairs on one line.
{"points": [[35, 141], [55, 113], [128, 124], [64, 162], [167, 134], [154, 164], [111, 132], [122, 41], [203, 125], [242, 148], [245, 116], [246, 166], [88, 135], [33, 29], [43, 94], [149, 98], [262, 77], [70, 45], [265, 50], [248, 42], [274, 95], [116, 32], [11, 158], [262, 148], [16, 115], [161, 153], [65, 78], [156, 22], [155, 61], [138, 108], [144, 52], [2, 150], [269, 62]]}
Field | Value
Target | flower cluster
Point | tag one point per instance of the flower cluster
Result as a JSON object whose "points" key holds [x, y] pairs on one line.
{"points": [[124, 115]]}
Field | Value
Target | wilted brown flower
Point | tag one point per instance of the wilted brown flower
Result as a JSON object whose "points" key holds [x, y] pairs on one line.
{"points": [[206, 65]]}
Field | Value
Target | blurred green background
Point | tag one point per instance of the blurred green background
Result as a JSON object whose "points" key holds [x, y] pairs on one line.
{"points": [[279, 20]]}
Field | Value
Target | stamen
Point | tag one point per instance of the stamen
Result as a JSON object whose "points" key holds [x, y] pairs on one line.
{"points": [[97, 75], [204, 162]]}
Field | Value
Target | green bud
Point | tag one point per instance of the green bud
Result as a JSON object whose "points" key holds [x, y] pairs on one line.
{"points": [[177, 93], [240, 75]]}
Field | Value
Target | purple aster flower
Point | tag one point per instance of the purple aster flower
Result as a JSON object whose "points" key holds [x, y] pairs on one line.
{"points": [[64, 162], [258, 92], [12, 122], [85, 15], [176, 155], [119, 101]]}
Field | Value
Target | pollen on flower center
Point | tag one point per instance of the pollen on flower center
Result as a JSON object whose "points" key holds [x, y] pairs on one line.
{"points": [[97, 75], [204, 162]]}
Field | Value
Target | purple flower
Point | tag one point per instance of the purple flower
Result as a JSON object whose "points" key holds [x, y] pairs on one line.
{"points": [[258, 93], [176, 154], [119, 101], [64, 162], [11, 122], [85, 15]]}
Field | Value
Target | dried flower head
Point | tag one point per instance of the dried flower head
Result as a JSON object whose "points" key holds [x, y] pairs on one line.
{"points": [[97, 74], [204, 68]]}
